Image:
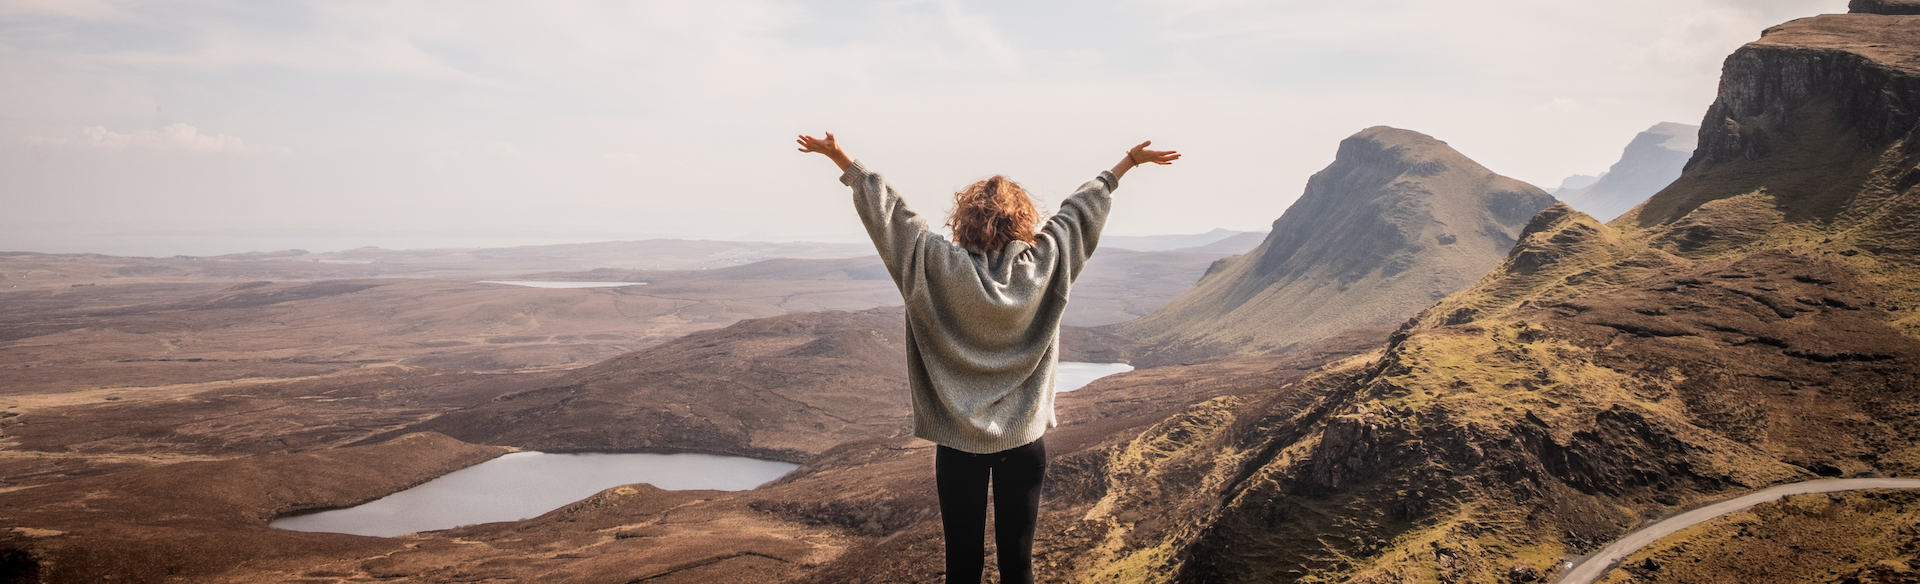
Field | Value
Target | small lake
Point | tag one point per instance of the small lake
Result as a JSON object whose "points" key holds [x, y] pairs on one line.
{"points": [[1072, 375], [533, 284], [527, 484]]}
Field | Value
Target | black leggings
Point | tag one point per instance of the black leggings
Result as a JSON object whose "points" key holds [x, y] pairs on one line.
{"points": [[962, 478]]}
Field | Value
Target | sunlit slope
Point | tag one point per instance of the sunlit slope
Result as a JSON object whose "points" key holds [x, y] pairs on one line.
{"points": [[1398, 221]]}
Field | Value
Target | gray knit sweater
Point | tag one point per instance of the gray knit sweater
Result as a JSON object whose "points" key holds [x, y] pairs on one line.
{"points": [[983, 327]]}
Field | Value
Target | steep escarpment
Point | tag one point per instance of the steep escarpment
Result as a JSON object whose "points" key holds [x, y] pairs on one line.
{"points": [[1815, 123], [781, 388], [1398, 221], [1797, 111], [1749, 325], [1651, 161]]}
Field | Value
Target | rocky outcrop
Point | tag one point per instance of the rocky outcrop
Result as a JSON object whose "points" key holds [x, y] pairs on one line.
{"points": [[1887, 7], [1398, 221], [1796, 112], [1649, 164]]}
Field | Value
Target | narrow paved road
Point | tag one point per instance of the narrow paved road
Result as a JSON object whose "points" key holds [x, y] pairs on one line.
{"points": [[1591, 570]]}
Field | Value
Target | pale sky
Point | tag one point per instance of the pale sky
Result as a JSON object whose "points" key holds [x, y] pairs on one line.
{"points": [[214, 126]]}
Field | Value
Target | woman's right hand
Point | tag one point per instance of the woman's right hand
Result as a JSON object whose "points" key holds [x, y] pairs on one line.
{"points": [[827, 146]]}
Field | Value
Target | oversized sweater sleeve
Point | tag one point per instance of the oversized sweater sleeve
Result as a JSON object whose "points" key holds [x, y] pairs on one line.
{"points": [[897, 232], [1076, 228]]}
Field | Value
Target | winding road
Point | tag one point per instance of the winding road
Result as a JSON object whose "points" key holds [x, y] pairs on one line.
{"points": [[1594, 567]]}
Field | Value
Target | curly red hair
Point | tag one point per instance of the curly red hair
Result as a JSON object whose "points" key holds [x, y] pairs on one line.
{"points": [[992, 213]]}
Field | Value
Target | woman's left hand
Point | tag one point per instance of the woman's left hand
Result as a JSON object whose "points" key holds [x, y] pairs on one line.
{"points": [[1139, 155]]}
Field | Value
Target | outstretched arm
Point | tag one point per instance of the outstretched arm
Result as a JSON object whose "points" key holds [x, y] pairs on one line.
{"points": [[1076, 228], [826, 146], [897, 232], [1136, 156]]}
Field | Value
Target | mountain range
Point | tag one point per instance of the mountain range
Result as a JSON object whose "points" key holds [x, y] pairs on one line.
{"points": [[1650, 163]]}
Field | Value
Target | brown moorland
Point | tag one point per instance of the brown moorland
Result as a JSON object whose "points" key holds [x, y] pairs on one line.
{"points": [[191, 520], [1862, 536], [865, 494], [113, 375], [111, 362], [123, 363]]}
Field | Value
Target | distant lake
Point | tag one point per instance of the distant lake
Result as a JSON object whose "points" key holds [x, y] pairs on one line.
{"points": [[534, 284], [528, 484], [1074, 375]]}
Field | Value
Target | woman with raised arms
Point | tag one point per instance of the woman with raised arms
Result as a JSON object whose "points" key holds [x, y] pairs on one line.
{"points": [[983, 326]]}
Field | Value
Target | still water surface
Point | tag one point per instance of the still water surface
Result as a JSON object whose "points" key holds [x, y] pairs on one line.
{"points": [[534, 284], [528, 484], [1072, 375]]}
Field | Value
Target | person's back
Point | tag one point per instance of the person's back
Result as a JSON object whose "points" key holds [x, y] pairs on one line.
{"points": [[983, 323]]}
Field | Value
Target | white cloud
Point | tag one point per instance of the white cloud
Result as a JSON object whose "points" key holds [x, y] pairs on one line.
{"points": [[979, 34], [339, 41], [87, 9], [175, 136]]}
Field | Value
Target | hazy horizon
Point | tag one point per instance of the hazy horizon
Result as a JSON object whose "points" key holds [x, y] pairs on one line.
{"points": [[200, 128]]}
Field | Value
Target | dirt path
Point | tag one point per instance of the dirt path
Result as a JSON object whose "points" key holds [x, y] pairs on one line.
{"points": [[1600, 563]]}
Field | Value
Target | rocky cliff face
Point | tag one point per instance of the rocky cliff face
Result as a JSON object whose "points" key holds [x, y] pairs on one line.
{"points": [[1649, 164], [1397, 221], [1887, 7]]}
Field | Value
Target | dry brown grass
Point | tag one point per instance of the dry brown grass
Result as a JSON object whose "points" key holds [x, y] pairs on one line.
{"points": [[1860, 537]]}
